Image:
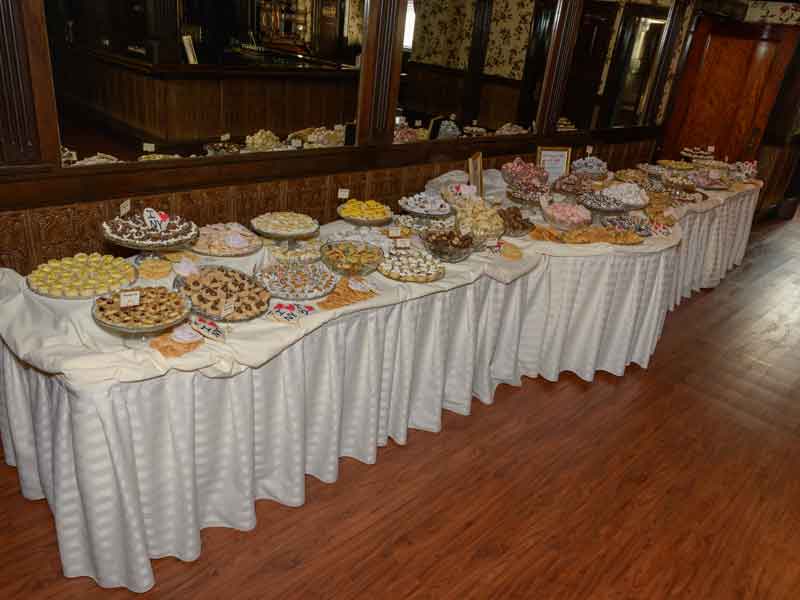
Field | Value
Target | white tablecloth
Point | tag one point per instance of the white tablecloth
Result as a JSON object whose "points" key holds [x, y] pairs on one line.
{"points": [[135, 453]]}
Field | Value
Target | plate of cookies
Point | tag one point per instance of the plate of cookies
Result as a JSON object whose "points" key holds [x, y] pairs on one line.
{"points": [[224, 295], [152, 267], [140, 310]]}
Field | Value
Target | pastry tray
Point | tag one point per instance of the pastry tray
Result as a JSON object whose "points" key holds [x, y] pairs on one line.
{"points": [[286, 237], [280, 295], [92, 297], [252, 249], [366, 269], [153, 245], [425, 215], [142, 330], [410, 279], [178, 283], [366, 222]]}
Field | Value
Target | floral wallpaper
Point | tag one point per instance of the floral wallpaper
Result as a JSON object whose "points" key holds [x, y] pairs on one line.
{"points": [[508, 38], [355, 22], [443, 32], [783, 13]]}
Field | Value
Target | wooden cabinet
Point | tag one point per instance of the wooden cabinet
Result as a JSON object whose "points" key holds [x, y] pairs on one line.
{"points": [[731, 78]]}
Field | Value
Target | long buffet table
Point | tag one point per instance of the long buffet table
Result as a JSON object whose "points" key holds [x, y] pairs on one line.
{"points": [[135, 453]]}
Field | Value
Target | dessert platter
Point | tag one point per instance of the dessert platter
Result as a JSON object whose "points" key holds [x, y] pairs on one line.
{"points": [[652, 170], [516, 224], [592, 167], [150, 230], [367, 213], [710, 179], [587, 235], [223, 294], [448, 130], [422, 224], [744, 170], [526, 181], [448, 246], [157, 309], [458, 193], [425, 205], [678, 181], [263, 141], [226, 240], [511, 129], [478, 219], [81, 277], [639, 225], [152, 267], [375, 237], [684, 197], [302, 252], [676, 165], [221, 148], [632, 176], [285, 226], [346, 292], [573, 184], [598, 202], [411, 266], [351, 258], [474, 131], [565, 215], [696, 153], [298, 282], [630, 194]]}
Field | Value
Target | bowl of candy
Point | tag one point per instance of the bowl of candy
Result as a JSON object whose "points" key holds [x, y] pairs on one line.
{"points": [[565, 216], [516, 225], [448, 246]]}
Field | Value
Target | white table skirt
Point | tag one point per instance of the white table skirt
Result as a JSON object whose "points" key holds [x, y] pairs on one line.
{"points": [[132, 471], [714, 241]]}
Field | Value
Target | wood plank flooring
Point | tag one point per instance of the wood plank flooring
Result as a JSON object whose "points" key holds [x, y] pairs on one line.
{"points": [[679, 481]]}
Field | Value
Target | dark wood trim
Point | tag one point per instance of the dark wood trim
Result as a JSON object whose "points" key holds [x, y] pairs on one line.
{"points": [[83, 184], [536, 55], [621, 53], [19, 139], [381, 64], [481, 25], [677, 13], [559, 60]]}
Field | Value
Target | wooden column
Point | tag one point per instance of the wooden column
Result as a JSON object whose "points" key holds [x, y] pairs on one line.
{"points": [[535, 60], [677, 13], [559, 61], [28, 119], [481, 24], [380, 72]]}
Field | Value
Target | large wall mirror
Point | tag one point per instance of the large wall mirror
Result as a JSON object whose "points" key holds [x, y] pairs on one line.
{"points": [[150, 79], [472, 67], [614, 65]]}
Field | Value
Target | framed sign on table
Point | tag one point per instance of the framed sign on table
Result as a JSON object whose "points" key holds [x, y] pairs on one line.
{"points": [[555, 161]]}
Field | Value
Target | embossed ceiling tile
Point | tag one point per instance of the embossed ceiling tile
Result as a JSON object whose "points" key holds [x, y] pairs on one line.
{"points": [[15, 244], [415, 177]]}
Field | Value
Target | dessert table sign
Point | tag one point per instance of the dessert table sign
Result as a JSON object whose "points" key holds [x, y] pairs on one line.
{"points": [[554, 160]]}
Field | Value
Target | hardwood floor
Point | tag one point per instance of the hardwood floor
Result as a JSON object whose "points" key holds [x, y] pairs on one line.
{"points": [[679, 481]]}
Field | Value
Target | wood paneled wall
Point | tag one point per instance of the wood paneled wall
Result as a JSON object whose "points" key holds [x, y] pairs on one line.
{"points": [[29, 237], [776, 165], [187, 109]]}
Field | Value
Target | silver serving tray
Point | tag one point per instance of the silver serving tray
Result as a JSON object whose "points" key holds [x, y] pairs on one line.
{"points": [[283, 295], [179, 282], [142, 330], [92, 297]]}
